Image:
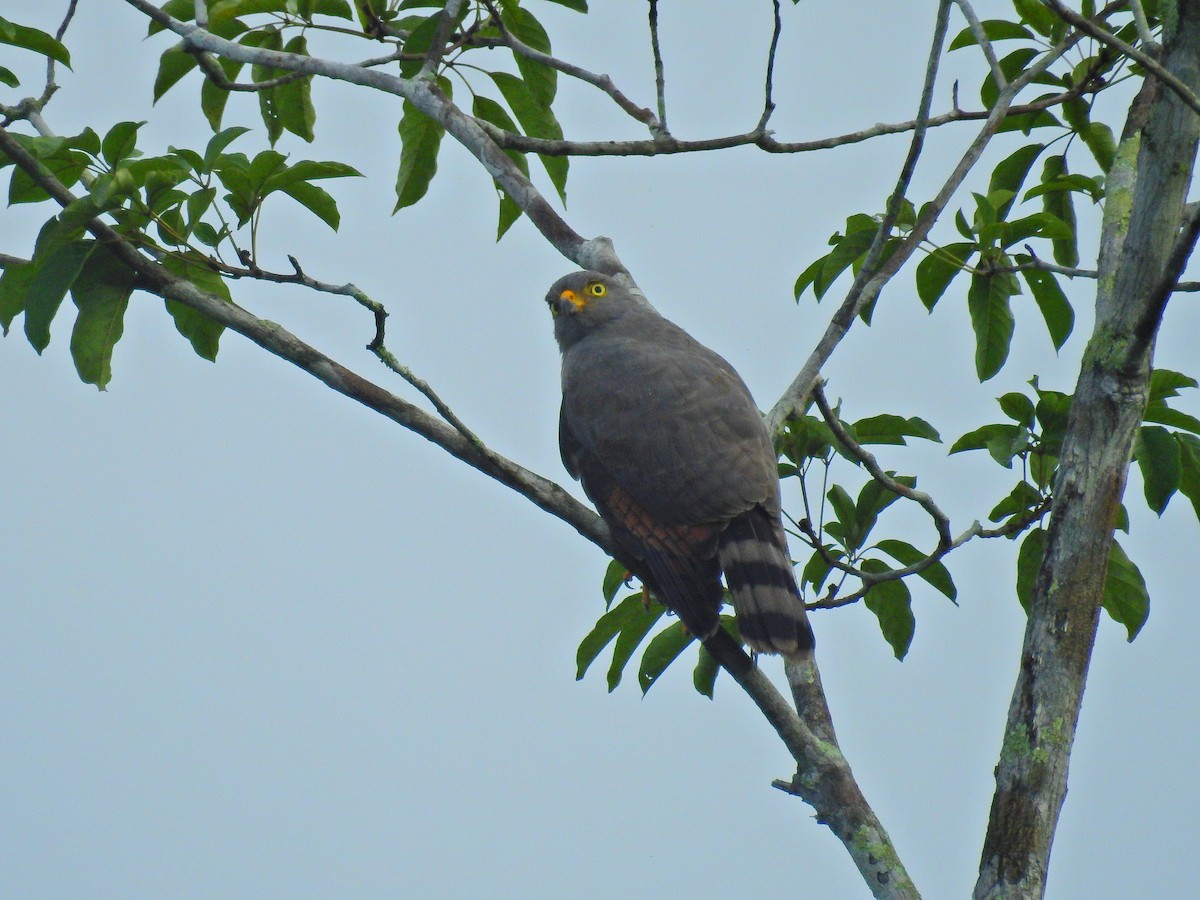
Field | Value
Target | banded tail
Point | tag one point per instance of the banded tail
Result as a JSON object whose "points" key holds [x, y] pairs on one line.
{"points": [[770, 614]]}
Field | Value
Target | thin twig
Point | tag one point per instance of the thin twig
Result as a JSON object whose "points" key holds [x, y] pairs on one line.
{"points": [[660, 84], [922, 499], [603, 82], [769, 86]]}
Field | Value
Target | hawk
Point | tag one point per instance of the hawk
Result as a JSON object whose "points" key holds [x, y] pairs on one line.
{"points": [[672, 450]]}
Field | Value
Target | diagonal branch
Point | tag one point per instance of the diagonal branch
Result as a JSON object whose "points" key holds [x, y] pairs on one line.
{"points": [[823, 777]]}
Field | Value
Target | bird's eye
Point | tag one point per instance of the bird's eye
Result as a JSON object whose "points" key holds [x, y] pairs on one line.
{"points": [[596, 289]]}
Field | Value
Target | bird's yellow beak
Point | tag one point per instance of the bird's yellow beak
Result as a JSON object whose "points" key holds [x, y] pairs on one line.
{"points": [[569, 296]]}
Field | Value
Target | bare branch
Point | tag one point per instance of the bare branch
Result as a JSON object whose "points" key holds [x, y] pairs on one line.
{"points": [[603, 82], [660, 86], [863, 455], [769, 87], [277, 340], [669, 144]]}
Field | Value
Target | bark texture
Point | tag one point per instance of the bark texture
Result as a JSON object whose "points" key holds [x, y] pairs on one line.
{"points": [[1141, 245]]}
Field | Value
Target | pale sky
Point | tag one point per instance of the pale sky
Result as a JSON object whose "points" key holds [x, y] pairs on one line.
{"points": [[257, 641]]}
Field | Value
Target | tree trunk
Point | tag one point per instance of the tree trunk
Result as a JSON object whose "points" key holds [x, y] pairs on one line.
{"points": [[1141, 246]]}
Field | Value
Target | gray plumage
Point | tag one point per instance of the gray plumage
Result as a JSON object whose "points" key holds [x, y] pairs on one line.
{"points": [[671, 448]]}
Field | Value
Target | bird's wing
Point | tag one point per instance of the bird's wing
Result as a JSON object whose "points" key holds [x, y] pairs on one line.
{"points": [[670, 421]]}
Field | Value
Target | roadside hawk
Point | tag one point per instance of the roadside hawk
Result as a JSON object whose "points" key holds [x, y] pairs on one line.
{"points": [[672, 450]]}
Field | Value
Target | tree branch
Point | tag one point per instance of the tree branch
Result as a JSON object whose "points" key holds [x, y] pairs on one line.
{"points": [[1140, 246], [603, 82], [824, 778], [596, 253], [660, 85]]}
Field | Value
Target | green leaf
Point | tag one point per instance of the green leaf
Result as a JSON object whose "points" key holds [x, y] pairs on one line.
{"points": [[1029, 560], [420, 139], [1189, 460], [1165, 383], [121, 142], [937, 270], [1125, 596], [172, 66], [417, 45], [538, 121], [217, 144], [992, 321], [1011, 65], [848, 250], [1055, 308], [663, 649], [1162, 414], [294, 99], [847, 515], [14, 287], [615, 577], [704, 676], [1010, 173], [1041, 19], [101, 293], [577, 5], [1017, 407], [1157, 453], [32, 39], [808, 276], [995, 29], [1100, 140], [874, 498], [628, 611], [267, 38], [316, 200], [891, 429], [937, 575], [541, 79], [213, 97], [203, 333], [49, 285], [1060, 205], [8, 77], [891, 603], [1020, 500], [1002, 442]]}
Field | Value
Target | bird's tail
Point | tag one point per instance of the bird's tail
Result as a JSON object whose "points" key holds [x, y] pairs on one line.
{"points": [[758, 571]]}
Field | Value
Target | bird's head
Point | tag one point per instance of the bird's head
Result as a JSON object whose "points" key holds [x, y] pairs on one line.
{"points": [[583, 301]]}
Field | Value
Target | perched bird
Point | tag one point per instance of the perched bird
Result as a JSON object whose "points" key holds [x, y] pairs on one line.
{"points": [[672, 450]]}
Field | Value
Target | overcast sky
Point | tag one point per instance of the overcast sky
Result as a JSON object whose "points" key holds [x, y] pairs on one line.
{"points": [[257, 641]]}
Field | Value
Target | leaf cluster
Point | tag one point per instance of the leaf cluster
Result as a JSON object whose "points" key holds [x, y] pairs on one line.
{"points": [[179, 207], [516, 99]]}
